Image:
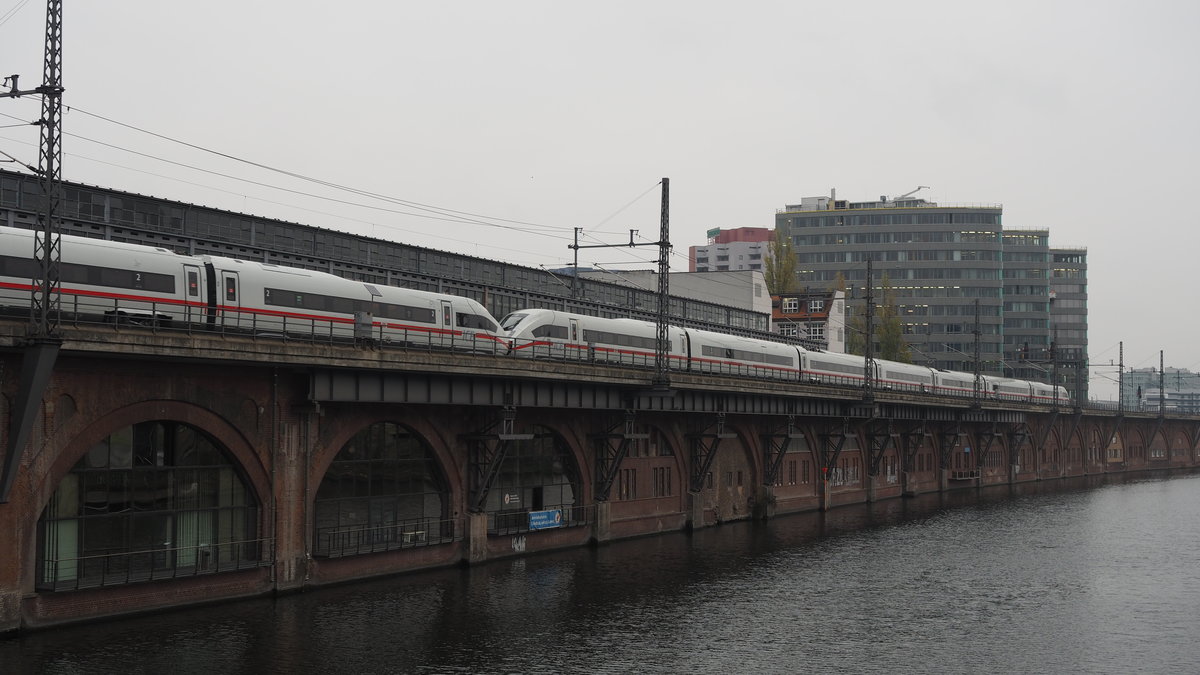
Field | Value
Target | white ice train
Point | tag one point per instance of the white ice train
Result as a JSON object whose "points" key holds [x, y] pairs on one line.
{"points": [[129, 283], [544, 333]]}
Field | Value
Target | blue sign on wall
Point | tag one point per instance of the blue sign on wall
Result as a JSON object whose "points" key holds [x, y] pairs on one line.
{"points": [[544, 520]]}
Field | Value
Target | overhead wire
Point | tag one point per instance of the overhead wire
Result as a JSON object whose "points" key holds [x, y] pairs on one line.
{"points": [[432, 213], [302, 177], [5, 17]]}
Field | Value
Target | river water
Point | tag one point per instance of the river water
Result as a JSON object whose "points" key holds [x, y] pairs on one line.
{"points": [[1076, 577]]}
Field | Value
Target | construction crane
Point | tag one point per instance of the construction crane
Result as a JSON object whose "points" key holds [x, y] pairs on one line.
{"points": [[909, 194]]}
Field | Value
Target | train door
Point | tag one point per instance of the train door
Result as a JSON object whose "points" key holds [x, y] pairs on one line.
{"points": [[192, 297], [231, 300], [447, 332], [574, 341]]}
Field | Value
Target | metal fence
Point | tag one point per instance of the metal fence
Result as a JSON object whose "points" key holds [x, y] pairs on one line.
{"points": [[129, 567], [333, 542]]}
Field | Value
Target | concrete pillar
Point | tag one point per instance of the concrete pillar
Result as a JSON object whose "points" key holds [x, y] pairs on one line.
{"points": [[695, 510], [764, 502], [601, 529], [477, 537], [290, 460]]}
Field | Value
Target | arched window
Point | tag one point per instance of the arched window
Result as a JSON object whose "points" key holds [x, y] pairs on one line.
{"points": [[538, 475], [155, 500], [384, 490]]}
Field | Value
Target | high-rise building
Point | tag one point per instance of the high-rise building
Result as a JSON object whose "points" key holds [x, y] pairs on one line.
{"points": [[954, 272], [1069, 316], [1026, 309], [743, 248], [942, 263]]}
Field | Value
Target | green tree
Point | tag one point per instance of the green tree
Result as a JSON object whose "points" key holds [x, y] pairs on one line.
{"points": [[889, 331], [780, 265]]}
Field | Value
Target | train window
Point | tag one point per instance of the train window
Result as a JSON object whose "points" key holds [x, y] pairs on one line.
{"points": [[231, 289], [510, 322], [550, 330], [446, 315], [466, 320], [193, 280]]}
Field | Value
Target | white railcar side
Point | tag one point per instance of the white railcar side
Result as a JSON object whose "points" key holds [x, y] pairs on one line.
{"points": [[268, 298], [711, 352], [834, 368], [105, 279], [905, 376]]}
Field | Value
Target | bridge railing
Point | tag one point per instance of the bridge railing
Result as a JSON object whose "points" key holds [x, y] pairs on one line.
{"points": [[517, 522], [333, 542], [171, 316], [164, 562]]}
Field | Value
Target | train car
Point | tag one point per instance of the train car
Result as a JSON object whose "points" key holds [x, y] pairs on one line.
{"points": [[833, 368], [106, 280], [130, 283], [1008, 389], [904, 376], [545, 333], [710, 352], [1048, 393], [953, 383], [266, 298]]}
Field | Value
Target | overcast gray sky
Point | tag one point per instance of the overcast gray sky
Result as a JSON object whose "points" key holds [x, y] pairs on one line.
{"points": [[1080, 117]]}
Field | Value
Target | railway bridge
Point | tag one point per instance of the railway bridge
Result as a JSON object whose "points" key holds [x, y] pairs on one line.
{"points": [[164, 468]]}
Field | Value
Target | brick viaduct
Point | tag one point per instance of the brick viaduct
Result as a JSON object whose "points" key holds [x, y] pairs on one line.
{"points": [[737, 448]]}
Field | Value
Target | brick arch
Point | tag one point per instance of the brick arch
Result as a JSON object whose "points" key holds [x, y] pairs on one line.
{"points": [[751, 442], [434, 437], [576, 445], [219, 429]]}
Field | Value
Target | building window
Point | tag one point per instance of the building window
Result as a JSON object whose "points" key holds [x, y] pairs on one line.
{"points": [[662, 481], [722, 258], [539, 474], [384, 490], [790, 305], [815, 306], [152, 501], [627, 484]]}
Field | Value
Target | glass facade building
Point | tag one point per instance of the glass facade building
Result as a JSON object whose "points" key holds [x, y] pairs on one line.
{"points": [[952, 270], [943, 264]]}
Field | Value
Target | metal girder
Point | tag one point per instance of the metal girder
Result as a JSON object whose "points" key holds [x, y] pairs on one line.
{"points": [[609, 457], [1158, 425], [877, 444], [1116, 429], [831, 448], [36, 367], [910, 445], [988, 439], [775, 445], [703, 453], [487, 452], [1017, 438], [1045, 435], [946, 442]]}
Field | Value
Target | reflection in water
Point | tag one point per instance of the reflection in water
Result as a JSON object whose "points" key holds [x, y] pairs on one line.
{"points": [[1080, 577]]}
